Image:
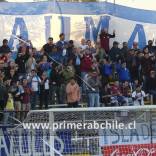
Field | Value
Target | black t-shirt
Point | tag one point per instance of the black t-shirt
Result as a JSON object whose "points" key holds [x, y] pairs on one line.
{"points": [[48, 48], [13, 78], [20, 50], [4, 49], [21, 60]]}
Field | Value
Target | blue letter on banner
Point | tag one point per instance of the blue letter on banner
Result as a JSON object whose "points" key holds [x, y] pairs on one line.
{"points": [[19, 22], [65, 26], [47, 26], [141, 36], [91, 28]]}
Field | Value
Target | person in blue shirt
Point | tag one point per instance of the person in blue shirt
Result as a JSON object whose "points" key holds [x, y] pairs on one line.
{"points": [[123, 73], [106, 71], [44, 65], [62, 48]]}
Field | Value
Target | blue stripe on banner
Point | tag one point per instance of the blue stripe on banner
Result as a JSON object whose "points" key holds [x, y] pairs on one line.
{"points": [[91, 8]]}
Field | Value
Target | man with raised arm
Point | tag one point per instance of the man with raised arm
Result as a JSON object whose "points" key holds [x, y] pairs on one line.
{"points": [[104, 39]]}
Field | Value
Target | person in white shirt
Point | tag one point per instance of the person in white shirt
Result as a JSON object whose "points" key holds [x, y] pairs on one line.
{"points": [[138, 96], [34, 81], [44, 91], [83, 45]]}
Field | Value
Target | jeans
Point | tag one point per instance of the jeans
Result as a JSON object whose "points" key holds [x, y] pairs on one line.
{"points": [[78, 72], [7, 118], [84, 87], [25, 109], [62, 94], [55, 95], [63, 60], [34, 100], [153, 93], [44, 99], [119, 101], [94, 99], [18, 108]]}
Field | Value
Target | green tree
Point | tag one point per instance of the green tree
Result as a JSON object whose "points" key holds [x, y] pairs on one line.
{"points": [[2, 0]]}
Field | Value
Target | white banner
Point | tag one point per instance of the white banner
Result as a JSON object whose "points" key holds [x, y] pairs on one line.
{"points": [[38, 21]]}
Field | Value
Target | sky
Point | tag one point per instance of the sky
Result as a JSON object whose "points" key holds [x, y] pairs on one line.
{"points": [[142, 4]]}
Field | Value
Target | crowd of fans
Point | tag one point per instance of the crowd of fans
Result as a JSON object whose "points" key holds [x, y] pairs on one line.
{"points": [[64, 73]]}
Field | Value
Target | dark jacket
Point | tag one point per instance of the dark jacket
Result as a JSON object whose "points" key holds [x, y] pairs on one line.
{"points": [[21, 60], [3, 96], [114, 54], [55, 77], [151, 84]]}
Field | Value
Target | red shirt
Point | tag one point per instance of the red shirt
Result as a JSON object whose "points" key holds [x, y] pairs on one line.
{"points": [[4, 58], [86, 62], [115, 90], [104, 41]]}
